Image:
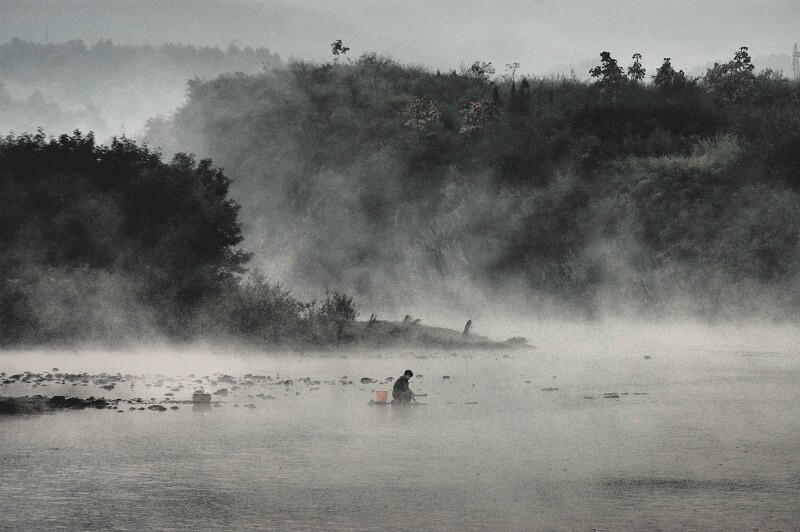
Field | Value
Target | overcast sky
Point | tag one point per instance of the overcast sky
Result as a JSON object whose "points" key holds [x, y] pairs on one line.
{"points": [[541, 35]]}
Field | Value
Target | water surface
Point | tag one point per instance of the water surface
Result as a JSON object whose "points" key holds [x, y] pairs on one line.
{"points": [[698, 438]]}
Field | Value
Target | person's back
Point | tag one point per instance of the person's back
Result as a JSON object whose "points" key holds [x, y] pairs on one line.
{"points": [[401, 392]]}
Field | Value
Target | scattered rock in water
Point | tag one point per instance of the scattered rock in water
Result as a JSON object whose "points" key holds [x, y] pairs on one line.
{"points": [[589, 397], [108, 386], [366, 380], [59, 401], [647, 357], [221, 392], [610, 395], [174, 407], [169, 394], [549, 389], [157, 408], [38, 404], [445, 377]]}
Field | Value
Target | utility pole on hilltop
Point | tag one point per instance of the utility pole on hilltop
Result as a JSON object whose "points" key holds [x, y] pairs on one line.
{"points": [[796, 62]]}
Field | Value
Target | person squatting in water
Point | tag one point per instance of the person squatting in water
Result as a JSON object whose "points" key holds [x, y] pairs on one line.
{"points": [[401, 393]]}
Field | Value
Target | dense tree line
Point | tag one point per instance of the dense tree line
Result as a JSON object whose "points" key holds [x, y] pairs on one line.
{"points": [[650, 191], [110, 243]]}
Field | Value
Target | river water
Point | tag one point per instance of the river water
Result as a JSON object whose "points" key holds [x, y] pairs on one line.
{"points": [[700, 438]]}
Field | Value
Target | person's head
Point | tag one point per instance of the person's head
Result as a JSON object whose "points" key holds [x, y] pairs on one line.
{"points": [[408, 373]]}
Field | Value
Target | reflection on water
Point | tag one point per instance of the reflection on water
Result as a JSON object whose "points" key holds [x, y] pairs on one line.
{"points": [[690, 439], [201, 408]]}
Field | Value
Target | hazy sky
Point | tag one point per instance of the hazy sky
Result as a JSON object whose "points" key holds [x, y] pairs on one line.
{"points": [[541, 35]]}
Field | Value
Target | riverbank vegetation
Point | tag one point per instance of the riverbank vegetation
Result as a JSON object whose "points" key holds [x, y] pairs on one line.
{"points": [[651, 193], [109, 243]]}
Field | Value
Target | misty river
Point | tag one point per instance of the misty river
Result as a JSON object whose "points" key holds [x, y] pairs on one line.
{"points": [[597, 433]]}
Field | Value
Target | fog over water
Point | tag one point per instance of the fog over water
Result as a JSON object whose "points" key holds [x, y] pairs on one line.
{"points": [[583, 433], [646, 246]]}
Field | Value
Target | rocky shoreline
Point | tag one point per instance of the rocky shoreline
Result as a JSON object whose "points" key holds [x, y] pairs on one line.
{"points": [[39, 404]]}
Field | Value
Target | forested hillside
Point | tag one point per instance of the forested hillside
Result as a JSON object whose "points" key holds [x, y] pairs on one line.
{"points": [[644, 192]]}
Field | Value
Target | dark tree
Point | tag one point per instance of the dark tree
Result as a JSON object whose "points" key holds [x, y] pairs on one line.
{"points": [[338, 49], [608, 71], [734, 80], [68, 205], [636, 72], [668, 77], [339, 309]]}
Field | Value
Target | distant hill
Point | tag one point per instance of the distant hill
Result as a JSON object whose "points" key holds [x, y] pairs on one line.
{"points": [[107, 88]]}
